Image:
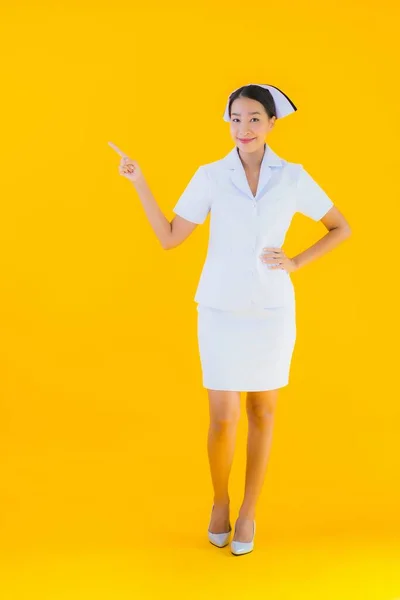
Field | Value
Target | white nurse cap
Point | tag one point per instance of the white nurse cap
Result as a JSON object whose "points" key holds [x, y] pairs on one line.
{"points": [[283, 104]]}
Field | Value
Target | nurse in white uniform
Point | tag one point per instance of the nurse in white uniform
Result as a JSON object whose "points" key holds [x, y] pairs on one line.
{"points": [[245, 296]]}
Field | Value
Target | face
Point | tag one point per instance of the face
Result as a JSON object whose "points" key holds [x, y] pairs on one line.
{"points": [[249, 121]]}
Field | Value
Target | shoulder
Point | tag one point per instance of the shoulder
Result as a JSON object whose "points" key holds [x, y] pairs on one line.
{"points": [[291, 172], [290, 169]]}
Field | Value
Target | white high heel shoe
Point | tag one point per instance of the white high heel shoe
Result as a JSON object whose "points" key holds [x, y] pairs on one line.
{"points": [[219, 539], [238, 548]]}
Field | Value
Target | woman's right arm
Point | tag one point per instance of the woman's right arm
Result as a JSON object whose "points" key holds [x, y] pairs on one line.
{"points": [[169, 234]]}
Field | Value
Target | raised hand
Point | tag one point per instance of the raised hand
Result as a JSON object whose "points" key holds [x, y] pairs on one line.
{"points": [[128, 167]]}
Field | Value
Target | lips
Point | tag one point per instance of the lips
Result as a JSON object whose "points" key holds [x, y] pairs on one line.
{"points": [[246, 141]]}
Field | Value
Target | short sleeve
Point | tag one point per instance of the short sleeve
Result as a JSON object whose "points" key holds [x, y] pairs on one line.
{"points": [[195, 202], [311, 199]]}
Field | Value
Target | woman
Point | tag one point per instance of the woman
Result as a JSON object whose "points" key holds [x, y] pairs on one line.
{"points": [[245, 297]]}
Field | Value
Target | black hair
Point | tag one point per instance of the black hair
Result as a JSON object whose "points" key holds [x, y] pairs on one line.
{"points": [[255, 92]]}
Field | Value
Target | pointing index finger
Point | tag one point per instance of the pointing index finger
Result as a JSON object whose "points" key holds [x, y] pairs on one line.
{"points": [[114, 147]]}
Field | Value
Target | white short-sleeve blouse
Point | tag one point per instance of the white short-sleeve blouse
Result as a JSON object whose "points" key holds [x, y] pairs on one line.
{"points": [[241, 225]]}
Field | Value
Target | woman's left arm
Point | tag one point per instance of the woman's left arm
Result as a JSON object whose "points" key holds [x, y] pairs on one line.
{"points": [[338, 231]]}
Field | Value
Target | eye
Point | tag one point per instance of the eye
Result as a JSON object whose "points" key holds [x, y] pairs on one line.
{"points": [[235, 119]]}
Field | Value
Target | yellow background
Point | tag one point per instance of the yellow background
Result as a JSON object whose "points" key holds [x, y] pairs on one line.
{"points": [[105, 485]]}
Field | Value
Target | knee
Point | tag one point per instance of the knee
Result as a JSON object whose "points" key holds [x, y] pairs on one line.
{"points": [[224, 420], [261, 406], [224, 409], [262, 413]]}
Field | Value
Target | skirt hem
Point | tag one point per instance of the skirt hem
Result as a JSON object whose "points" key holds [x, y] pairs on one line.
{"points": [[245, 388]]}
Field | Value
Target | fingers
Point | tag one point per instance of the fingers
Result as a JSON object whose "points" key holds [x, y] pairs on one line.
{"points": [[272, 254], [273, 257], [126, 169], [117, 150], [126, 165], [274, 249]]}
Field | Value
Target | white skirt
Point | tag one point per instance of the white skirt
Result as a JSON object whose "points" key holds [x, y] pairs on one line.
{"points": [[246, 350]]}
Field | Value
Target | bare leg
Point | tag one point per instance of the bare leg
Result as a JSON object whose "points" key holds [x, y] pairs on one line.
{"points": [[224, 416], [260, 411]]}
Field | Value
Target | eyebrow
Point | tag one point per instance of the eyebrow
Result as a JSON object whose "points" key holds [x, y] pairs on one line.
{"points": [[250, 113]]}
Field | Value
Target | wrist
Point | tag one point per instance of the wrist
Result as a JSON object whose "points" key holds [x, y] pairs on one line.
{"points": [[139, 182], [296, 264]]}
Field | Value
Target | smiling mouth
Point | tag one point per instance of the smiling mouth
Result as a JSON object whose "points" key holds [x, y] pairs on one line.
{"points": [[247, 140]]}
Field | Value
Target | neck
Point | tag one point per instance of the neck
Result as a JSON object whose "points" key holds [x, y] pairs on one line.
{"points": [[252, 160]]}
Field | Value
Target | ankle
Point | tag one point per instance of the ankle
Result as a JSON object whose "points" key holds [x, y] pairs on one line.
{"points": [[246, 514], [221, 502]]}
